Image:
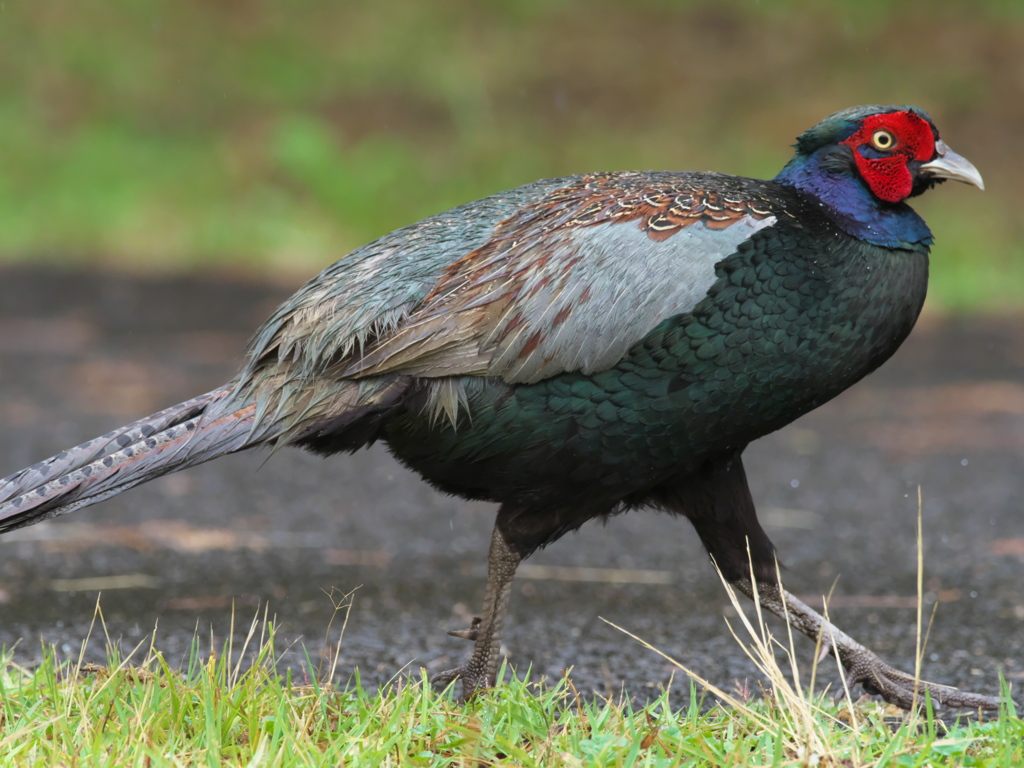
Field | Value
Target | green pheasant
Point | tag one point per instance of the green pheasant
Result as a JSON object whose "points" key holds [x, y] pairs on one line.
{"points": [[579, 347]]}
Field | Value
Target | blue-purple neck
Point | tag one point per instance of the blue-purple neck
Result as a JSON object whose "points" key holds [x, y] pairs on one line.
{"points": [[852, 206]]}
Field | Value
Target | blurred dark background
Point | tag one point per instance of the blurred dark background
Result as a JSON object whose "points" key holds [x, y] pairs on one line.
{"points": [[269, 138]]}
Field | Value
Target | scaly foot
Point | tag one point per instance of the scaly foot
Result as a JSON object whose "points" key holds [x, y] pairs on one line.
{"points": [[864, 667], [472, 682], [485, 631]]}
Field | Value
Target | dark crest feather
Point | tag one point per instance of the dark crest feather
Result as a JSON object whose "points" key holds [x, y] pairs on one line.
{"points": [[843, 124]]}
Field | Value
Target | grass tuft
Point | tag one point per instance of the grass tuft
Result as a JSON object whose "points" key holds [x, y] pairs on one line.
{"points": [[141, 710]]}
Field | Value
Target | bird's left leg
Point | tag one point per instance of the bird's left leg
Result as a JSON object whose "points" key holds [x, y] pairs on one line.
{"points": [[860, 664], [479, 672]]}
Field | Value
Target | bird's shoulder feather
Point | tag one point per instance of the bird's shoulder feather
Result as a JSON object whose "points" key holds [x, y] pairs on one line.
{"points": [[560, 275]]}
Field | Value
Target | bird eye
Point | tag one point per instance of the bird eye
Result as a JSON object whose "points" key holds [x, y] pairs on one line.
{"points": [[883, 140]]}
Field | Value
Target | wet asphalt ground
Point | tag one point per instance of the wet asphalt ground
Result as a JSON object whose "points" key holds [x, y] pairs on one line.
{"points": [[82, 353]]}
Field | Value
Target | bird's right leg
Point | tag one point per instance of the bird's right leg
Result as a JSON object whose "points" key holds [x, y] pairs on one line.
{"points": [[861, 664], [479, 672], [717, 500]]}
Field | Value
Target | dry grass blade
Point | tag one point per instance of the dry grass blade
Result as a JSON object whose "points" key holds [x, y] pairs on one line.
{"points": [[801, 718], [729, 699]]}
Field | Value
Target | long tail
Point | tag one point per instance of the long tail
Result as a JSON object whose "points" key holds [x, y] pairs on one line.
{"points": [[322, 415], [177, 437]]}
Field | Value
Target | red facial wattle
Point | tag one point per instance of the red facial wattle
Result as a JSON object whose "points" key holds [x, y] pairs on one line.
{"points": [[888, 177]]}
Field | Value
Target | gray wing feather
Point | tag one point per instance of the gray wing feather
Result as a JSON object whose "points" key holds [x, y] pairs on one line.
{"points": [[576, 300]]}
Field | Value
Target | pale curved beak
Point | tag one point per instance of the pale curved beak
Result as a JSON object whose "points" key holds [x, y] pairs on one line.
{"points": [[949, 165]]}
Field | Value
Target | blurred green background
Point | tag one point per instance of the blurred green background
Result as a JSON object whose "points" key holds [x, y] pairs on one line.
{"points": [[269, 138]]}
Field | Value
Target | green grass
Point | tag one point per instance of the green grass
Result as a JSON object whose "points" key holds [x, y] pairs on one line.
{"points": [[232, 707], [257, 136], [213, 714], [143, 711]]}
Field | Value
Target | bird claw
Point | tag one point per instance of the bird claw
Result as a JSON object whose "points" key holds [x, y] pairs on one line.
{"points": [[472, 680], [896, 687], [470, 633], [826, 649], [446, 678]]}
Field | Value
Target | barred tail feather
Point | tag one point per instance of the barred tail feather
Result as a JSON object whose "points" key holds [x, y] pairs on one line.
{"points": [[97, 448], [323, 415], [181, 436]]}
